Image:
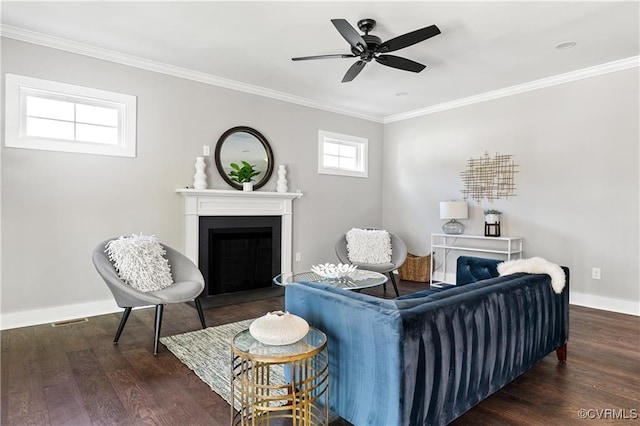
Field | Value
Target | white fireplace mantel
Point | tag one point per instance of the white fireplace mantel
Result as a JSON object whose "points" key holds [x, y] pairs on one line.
{"points": [[219, 202]]}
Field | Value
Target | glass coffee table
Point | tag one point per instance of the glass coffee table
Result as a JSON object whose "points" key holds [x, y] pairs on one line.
{"points": [[357, 280]]}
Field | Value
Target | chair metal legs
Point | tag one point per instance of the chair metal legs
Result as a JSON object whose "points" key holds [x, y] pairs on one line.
{"points": [[159, 309], [158, 323], [123, 321], [200, 313], [393, 281]]}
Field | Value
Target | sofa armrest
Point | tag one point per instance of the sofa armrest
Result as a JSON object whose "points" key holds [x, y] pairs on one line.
{"points": [[364, 343]]}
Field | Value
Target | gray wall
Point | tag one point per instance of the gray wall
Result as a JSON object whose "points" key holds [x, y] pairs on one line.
{"points": [[576, 145], [57, 206], [577, 199]]}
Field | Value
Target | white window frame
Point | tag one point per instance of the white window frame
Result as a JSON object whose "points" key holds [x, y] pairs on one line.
{"points": [[18, 86], [362, 148]]}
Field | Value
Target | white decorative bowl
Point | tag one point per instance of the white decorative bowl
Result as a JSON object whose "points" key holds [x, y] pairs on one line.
{"points": [[329, 270], [278, 328]]}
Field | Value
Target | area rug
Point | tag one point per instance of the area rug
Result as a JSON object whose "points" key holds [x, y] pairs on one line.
{"points": [[208, 354]]}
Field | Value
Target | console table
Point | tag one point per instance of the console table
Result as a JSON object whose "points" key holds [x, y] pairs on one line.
{"points": [[505, 246]]}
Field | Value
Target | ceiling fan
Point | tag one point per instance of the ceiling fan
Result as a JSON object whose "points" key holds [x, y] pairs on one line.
{"points": [[369, 47]]}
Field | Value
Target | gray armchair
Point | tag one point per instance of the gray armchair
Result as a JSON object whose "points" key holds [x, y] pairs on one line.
{"points": [[187, 286], [398, 256]]}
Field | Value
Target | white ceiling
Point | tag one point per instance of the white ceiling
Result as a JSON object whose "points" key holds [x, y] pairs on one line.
{"points": [[484, 46]]}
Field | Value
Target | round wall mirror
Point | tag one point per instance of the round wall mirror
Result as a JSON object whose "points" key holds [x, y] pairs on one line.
{"points": [[244, 144]]}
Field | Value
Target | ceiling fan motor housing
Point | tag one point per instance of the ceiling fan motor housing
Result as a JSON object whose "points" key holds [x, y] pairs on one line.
{"points": [[372, 45]]}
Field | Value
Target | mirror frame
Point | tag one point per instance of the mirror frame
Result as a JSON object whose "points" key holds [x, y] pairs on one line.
{"points": [[265, 144]]}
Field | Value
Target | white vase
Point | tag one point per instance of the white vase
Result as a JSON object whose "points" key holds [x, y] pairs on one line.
{"points": [[247, 186], [200, 178], [281, 185], [278, 328]]}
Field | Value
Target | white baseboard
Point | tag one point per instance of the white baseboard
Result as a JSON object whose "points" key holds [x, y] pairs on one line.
{"points": [[630, 307], [90, 309], [59, 313]]}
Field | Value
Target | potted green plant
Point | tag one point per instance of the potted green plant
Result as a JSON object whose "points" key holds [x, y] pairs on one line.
{"points": [[492, 216], [243, 174]]}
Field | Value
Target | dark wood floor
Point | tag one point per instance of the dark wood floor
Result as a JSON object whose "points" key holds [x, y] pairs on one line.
{"points": [[74, 375]]}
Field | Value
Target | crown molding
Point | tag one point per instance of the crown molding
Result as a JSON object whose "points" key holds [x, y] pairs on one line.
{"points": [[162, 68], [555, 80]]}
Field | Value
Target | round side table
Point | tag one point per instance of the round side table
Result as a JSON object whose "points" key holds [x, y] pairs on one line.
{"points": [[280, 382]]}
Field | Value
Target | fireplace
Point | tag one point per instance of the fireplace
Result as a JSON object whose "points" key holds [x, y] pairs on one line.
{"points": [[231, 225], [238, 253]]}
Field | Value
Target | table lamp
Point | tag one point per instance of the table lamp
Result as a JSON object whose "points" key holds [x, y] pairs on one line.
{"points": [[453, 210]]}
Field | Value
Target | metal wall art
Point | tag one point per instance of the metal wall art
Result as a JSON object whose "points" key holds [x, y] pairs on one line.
{"points": [[489, 178]]}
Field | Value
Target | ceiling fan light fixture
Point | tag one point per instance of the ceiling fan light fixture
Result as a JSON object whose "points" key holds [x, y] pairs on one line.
{"points": [[565, 45], [368, 47]]}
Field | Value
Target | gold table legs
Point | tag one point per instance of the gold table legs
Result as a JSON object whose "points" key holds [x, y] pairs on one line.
{"points": [[260, 395]]}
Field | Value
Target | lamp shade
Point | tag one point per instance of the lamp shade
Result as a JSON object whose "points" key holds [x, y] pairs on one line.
{"points": [[454, 210]]}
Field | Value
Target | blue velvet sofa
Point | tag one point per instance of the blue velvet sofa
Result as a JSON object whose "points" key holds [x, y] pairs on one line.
{"points": [[428, 357]]}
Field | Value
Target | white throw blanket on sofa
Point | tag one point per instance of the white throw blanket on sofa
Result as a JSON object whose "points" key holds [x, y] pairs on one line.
{"points": [[535, 265]]}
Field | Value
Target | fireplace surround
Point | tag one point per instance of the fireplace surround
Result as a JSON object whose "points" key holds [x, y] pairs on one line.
{"points": [[237, 213]]}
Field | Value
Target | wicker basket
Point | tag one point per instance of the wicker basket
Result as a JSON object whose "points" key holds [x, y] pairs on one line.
{"points": [[416, 268]]}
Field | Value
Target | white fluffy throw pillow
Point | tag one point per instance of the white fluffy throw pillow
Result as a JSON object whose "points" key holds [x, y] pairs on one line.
{"points": [[369, 246], [140, 263]]}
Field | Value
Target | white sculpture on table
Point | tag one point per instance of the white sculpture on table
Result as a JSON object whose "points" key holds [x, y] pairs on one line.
{"points": [[278, 328]]}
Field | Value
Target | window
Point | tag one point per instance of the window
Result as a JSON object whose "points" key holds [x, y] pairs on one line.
{"points": [[342, 154], [42, 114]]}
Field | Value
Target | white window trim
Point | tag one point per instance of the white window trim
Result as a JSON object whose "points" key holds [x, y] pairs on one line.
{"points": [[362, 145], [14, 110]]}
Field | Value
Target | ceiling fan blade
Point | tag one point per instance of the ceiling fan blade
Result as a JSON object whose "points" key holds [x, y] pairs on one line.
{"points": [[408, 39], [337, 55], [399, 63], [350, 34], [353, 71]]}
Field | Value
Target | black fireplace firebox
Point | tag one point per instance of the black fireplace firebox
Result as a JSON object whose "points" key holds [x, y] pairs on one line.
{"points": [[239, 256]]}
